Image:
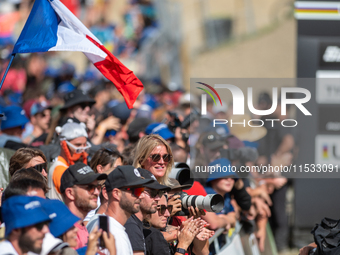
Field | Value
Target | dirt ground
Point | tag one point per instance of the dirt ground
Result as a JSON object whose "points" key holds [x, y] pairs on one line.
{"points": [[270, 54]]}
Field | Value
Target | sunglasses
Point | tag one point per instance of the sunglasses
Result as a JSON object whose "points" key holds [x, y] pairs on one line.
{"points": [[40, 167], [155, 192], [135, 191], [40, 226], [43, 115], [84, 105], [79, 149], [91, 187], [163, 208], [157, 157]]}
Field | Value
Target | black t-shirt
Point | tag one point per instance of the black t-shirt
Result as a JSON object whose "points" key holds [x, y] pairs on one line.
{"points": [[154, 242], [134, 229]]}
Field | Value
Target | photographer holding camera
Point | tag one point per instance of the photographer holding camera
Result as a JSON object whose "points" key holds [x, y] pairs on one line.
{"points": [[200, 244]]}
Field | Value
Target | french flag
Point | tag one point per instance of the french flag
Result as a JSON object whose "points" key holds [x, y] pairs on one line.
{"points": [[52, 27]]}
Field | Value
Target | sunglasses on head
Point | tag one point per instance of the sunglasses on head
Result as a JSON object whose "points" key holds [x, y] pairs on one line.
{"points": [[135, 191], [157, 157], [91, 187], [155, 192], [108, 151], [40, 226], [40, 167], [163, 208]]}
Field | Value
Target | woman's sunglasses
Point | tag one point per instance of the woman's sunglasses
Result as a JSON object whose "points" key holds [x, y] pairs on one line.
{"points": [[157, 157], [163, 208], [40, 167], [135, 191]]}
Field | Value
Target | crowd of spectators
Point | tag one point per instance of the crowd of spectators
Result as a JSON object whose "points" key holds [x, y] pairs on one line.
{"points": [[74, 140]]}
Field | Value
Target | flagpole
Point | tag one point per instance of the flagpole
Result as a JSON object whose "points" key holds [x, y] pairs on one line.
{"points": [[5, 74]]}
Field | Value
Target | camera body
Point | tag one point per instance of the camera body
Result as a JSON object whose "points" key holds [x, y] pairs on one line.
{"points": [[181, 172], [210, 203]]}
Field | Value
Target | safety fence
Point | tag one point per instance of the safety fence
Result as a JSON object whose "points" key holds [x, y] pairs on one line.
{"points": [[238, 242]]}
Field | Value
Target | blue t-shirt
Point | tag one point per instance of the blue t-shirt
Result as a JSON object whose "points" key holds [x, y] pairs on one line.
{"points": [[227, 199]]}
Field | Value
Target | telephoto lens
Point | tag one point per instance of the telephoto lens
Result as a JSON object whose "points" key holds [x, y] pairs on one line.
{"points": [[210, 203]]}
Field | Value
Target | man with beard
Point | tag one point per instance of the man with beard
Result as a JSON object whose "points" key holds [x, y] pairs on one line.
{"points": [[26, 225], [80, 190], [148, 205], [124, 185]]}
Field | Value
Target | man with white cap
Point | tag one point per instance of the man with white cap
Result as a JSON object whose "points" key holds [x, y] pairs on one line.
{"points": [[73, 141]]}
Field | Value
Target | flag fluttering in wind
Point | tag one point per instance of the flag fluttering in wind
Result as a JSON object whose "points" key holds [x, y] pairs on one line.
{"points": [[52, 27]]}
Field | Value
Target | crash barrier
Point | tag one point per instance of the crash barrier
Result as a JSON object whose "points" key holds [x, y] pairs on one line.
{"points": [[238, 242]]}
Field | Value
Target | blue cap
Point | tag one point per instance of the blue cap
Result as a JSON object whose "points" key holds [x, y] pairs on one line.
{"points": [[39, 108], [62, 218], [14, 116], [23, 211], [66, 87], [222, 170], [159, 129]]}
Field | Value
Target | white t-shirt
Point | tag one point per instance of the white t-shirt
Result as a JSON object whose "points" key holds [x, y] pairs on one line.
{"points": [[6, 248], [92, 212], [123, 245]]}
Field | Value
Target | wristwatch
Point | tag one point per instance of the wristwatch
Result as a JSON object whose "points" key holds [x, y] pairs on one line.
{"points": [[180, 250]]}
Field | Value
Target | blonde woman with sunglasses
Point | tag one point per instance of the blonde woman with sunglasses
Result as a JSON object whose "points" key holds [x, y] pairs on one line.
{"points": [[154, 154]]}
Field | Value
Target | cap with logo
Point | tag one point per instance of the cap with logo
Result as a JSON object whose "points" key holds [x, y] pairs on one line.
{"points": [[76, 97], [154, 184], [225, 171], [212, 140], [159, 129], [79, 174], [14, 116], [125, 176], [59, 213], [23, 211]]}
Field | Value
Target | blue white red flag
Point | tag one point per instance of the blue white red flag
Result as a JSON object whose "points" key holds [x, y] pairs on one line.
{"points": [[52, 27]]}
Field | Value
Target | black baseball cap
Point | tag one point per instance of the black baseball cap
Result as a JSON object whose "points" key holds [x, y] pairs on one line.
{"points": [[154, 184], [125, 176], [212, 140], [79, 173]]}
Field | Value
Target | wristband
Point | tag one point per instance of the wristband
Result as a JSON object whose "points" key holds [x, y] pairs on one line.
{"points": [[180, 250]]}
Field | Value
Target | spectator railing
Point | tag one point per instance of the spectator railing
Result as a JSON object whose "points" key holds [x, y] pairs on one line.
{"points": [[233, 243]]}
